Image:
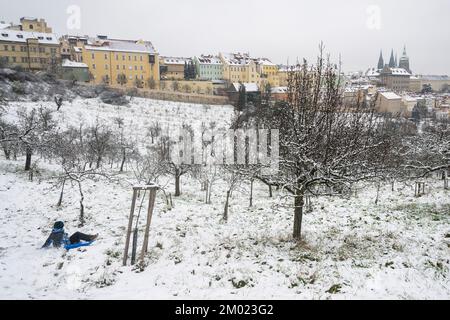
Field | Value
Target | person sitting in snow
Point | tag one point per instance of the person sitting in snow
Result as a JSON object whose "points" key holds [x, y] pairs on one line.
{"points": [[59, 238]]}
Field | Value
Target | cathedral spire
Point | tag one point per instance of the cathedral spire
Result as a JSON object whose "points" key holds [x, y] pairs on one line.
{"points": [[392, 60], [404, 61], [381, 61]]}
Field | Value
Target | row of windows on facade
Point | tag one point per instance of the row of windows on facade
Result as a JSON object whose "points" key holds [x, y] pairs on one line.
{"points": [[117, 57], [31, 49], [240, 69], [130, 77], [238, 77], [94, 66], [26, 60], [210, 66]]}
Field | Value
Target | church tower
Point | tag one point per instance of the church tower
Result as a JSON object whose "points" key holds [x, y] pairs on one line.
{"points": [[392, 60], [380, 61], [404, 61]]}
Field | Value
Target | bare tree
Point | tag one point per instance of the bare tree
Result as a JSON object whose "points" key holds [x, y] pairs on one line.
{"points": [[35, 128], [323, 142], [59, 102], [99, 141]]}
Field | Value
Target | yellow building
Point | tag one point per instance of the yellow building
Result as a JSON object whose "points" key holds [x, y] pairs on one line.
{"points": [[172, 68], [72, 47], [239, 68], [268, 72], [31, 50], [32, 25], [122, 62]]}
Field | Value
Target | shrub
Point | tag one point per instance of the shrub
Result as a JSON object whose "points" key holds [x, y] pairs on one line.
{"points": [[113, 97], [18, 88]]}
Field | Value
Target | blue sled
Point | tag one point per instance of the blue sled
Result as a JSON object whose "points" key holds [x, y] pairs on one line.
{"points": [[77, 245]]}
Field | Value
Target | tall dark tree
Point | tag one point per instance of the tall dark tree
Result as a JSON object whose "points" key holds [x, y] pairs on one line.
{"points": [[242, 98]]}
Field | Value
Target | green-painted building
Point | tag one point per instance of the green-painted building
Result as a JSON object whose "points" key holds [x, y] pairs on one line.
{"points": [[209, 67]]}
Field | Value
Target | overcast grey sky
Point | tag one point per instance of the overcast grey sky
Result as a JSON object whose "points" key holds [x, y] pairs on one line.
{"points": [[277, 29]]}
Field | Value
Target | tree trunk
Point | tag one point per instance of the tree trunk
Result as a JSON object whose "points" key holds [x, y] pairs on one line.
{"points": [[81, 204], [61, 194], [298, 214], [251, 193], [225, 210], [124, 157], [177, 183], [7, 153], [28, 159], [209, 187], [378, 193], [99, 160], [270, 191]]}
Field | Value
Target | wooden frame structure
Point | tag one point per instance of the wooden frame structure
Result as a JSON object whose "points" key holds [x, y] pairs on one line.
{"points": [[151, 204], [419, 188]]}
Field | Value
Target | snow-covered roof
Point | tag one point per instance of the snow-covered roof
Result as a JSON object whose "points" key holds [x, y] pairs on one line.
{"points": [[279, 89], [22, 36], [249, 87], [237, 59], [175, 60], [209, 60], [4, 25], [264, 62], [409, 99], [435, 77], [399, 72], [121, 46], [282, 68], [73, 64], [390, 95], [372, 73]]}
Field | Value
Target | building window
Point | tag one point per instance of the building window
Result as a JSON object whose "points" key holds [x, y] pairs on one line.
{"points": [[93, 66], [106, 67], [13, 48], [6, 48], [106, 56], [93, 56]]}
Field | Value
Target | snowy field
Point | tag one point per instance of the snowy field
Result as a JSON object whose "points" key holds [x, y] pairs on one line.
{"points": [[352, 248]]}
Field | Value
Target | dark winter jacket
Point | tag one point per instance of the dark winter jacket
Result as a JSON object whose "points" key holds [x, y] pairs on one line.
{"points": [[58, 238]]}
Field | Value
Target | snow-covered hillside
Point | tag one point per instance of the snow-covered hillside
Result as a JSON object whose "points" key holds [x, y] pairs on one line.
{"points": [[352, 248]]}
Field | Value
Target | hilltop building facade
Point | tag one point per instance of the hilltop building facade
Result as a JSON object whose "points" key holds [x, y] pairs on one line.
{"points": [[130, 63]]}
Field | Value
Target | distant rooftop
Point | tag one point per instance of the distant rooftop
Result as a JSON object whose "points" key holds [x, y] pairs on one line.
{"points": [[249, 87], [22, 36], [175, 60], [435, 77], [104, 44], [390, 95], [72, 64], [203, 59]]}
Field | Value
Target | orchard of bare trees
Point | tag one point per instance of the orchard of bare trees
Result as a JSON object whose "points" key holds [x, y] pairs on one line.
{"points": [[325, 147]]}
